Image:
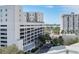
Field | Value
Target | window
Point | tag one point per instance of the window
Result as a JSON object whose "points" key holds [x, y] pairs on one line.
{"points": [[28, 28], [1, 10], [36, 29], [25, 40], [3, 41], [19, 10], [22, 29], [21, 25], [3, 29], [3, 25], [35, 32], [28, 31], [6, 10], [32, 40], [28, 25], [32, 28], [5, 14], [28, 38], [35, 35], [1, 20], [6, 20], [32, 37], [21, 33], [1, 15], [19, 15], [2, 45], [28, 42], [31, 33], [21, 37], [28, 35], [3, 37], [24, 43], [3, 33]]}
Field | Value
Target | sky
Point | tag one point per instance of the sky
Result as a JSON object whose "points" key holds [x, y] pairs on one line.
{"points": [[52, 13]]}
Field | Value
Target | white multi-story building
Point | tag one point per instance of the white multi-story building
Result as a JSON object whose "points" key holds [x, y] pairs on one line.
{"points": [[20, 28], [30, 29], [71, 23]]}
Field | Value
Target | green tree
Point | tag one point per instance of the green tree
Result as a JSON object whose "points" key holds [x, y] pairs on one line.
{"points": [[41, 39], [47, 37], [44, 38], [55, 42], [61, 41], [56, 30]]}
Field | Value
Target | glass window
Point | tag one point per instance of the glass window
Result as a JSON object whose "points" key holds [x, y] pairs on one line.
{"points": [[19, 10], [28, 42], [6, 20], [1, 15], [3, 33], [2, 45], [22, 37], [3, 25], [3, 41], [22, 29], [3, 37], [5, 9], [1, 20], [1, 10], [3, 29], [5, 14], [19, 14]]}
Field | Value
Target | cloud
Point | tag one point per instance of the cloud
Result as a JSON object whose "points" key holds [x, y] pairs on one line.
{"points": [[70, 8], [73, 6], [49, 6]]}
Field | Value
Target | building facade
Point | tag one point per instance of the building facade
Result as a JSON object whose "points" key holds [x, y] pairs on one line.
{"points": [[71, 23], [20, 28]]}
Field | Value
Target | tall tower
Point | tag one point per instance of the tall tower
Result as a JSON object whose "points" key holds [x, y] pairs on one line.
{"points": [[71, 23], [9, 24]]}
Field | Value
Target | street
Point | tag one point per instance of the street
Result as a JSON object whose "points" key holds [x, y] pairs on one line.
{"points": [[44, 48]]}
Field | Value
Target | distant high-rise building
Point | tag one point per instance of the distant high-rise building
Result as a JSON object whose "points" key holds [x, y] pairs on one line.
{"points": [[71, 23], [20, 28]]}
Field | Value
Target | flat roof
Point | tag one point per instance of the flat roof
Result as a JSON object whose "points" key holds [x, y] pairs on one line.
{"points": [[74, 48]]}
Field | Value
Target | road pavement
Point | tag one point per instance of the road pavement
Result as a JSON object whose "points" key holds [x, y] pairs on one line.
{"points": [[44, 48]]}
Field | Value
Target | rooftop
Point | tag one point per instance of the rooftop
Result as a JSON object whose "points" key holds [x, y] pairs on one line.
{"points": [[72, 49]]}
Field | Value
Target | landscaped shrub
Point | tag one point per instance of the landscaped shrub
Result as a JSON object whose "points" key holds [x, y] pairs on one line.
{"points": [[57, 41], [61, 41], [71, 41]]}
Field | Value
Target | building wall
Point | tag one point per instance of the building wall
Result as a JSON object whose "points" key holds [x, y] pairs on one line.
{"points": [[11, 19], [71, 23], [32, 30], [22, 28]]}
